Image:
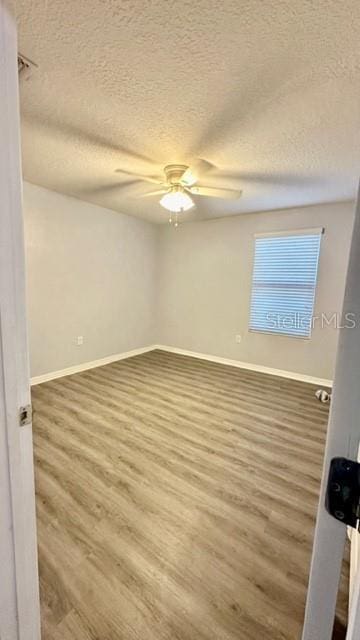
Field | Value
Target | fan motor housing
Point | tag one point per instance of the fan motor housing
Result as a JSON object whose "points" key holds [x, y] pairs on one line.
{"points": [[174, 173]]}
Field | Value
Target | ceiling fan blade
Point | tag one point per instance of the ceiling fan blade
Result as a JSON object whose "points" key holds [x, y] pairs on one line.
{"points": [[213, 192], [139, 176], [188, 179], [154, 193], [197, 169]]}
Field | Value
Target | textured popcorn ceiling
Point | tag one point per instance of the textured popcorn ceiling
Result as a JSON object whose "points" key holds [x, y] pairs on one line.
{"points": [[266, 89]]}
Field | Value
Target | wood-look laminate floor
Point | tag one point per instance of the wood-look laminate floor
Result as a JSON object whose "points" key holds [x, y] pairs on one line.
{"points": [[176, 501]]}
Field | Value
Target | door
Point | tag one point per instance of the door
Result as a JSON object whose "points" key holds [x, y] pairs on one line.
{"points": [[343, 439], [354, 604], [353, 632], [19, 597]]}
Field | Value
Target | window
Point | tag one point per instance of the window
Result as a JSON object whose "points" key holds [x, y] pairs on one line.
{"points": [[284, 282]]}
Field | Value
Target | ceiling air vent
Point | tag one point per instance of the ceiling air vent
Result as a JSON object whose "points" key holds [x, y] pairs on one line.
{"points": [[25, 66]]}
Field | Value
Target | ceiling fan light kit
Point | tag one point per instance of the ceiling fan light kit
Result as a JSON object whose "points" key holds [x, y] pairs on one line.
{"points": [[176, 200]]}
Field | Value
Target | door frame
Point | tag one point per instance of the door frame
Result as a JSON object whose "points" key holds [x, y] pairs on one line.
{"points": [[342, 440], [14, 360]]}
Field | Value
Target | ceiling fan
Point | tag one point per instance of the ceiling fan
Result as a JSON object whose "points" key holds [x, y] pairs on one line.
{"points": [[180, 183]]}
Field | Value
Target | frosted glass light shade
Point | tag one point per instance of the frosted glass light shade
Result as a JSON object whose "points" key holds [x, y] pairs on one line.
{"points": [[176, 201]]}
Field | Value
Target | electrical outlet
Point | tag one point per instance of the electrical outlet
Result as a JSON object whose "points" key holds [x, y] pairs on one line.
{"points": [[238, 338], [80, 340]]}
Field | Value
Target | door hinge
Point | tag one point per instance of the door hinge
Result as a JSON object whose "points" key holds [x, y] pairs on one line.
{"points": [[25, 415], [343, 491]]}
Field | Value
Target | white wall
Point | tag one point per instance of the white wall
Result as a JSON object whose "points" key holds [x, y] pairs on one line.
{"points": [[205, 284], [90, 272], [123, 284]]}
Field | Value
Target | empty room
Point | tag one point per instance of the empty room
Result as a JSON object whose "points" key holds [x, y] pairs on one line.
{"points": [[180, 241]]}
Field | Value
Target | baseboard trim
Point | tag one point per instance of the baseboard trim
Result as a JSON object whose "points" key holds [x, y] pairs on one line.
{"points": [[46, 377], [292, 375]]}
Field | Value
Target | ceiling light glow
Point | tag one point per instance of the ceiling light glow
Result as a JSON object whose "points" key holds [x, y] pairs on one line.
{"points": [[176, 200]]}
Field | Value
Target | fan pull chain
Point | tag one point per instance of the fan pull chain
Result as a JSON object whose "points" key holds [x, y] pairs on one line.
{"points": [[176, 221]]}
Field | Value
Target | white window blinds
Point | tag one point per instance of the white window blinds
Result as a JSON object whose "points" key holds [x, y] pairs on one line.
{"points": [[284, 282]]}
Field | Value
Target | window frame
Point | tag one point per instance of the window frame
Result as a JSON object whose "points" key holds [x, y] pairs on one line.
{"points": [[278, 234]]}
